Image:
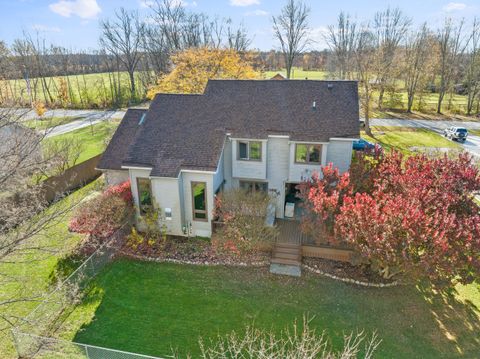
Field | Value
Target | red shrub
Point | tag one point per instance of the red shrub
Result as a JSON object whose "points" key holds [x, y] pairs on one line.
{"points": [[419, 217], [103, 215]]}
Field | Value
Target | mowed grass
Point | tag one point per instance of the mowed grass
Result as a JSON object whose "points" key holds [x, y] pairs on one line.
{"points": [[154, 308], [404, 139], [93, 138], [33, 267]]}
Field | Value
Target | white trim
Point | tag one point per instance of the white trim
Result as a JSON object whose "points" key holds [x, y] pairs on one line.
{"points": [[248, 139], [169, 178], [308, 142], [343, 139], [195, 171], [279, 136], [137, 168]]}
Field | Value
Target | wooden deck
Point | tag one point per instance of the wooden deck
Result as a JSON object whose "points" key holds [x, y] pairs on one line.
{"points": [[289, 232], [291, 235]]}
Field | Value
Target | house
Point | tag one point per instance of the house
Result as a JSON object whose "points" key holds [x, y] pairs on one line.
{"points": [[261, 135]]}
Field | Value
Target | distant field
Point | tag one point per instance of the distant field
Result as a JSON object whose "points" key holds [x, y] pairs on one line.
{"points": [[82, 91]]}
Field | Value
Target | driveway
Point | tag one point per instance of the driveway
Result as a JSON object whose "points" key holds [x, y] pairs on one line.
{"points": [[472, 144]]}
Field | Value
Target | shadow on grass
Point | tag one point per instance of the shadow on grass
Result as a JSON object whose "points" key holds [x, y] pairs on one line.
{"points": [[150, 308]]}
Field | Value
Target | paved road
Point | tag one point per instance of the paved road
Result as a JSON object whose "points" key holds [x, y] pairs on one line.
{"points": [[472, 144], [28, 114], [88, 119]]}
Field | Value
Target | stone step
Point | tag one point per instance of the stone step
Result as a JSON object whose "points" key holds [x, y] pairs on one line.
{"points": [[286, 245], [286, 269]]}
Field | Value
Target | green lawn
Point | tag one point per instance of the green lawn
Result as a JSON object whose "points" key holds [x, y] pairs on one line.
{"points": [[35, 267], [49, 122], [403, 138], [151, 308], [93, 138]]}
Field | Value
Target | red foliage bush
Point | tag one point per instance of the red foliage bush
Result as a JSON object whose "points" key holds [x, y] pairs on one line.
{"points": [[418, 218], [103, 215]]}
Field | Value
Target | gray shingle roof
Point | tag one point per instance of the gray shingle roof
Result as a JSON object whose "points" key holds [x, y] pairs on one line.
{"points": [[122, 139], [189, 131]]}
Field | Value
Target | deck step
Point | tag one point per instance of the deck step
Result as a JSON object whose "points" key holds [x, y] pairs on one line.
{"points": [[292, 262], [295, 256], [286, 245]]}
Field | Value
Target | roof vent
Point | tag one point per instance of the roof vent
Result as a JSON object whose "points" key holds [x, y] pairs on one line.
{"points": [[142, 119], [314, 105], [330, 86]]}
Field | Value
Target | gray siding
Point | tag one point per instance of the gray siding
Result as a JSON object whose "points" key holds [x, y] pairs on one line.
{"points": [[113, 177], [297, 171], [218, 177], [340, 154], [249, 169], [277, 169]]}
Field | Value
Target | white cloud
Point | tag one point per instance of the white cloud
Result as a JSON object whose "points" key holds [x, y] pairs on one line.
{"points": [[256, 13], [244, 2], [454, 6], [85, 9], [146, 3], [317, 36], [45, 28]]}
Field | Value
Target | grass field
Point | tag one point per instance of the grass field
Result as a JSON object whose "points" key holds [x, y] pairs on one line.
{"points": [[83, 91], [404, 138], [34, 267], [151, 308], [43, 124], [93, 138]]}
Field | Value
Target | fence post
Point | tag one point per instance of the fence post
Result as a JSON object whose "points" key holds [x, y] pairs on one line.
{"points": [[86, 352]]}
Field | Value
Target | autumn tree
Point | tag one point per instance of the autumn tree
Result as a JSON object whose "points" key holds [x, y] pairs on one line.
{"points": [[417, 219], [194, 67], [472, 73], [291, 30]]}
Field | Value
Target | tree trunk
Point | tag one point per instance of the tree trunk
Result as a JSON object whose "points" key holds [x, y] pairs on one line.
{"points": [[131, 73], [380, 98]]}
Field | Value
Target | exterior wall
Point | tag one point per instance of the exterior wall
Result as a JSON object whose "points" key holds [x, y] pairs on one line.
{"points": [[218, 177], [227, 164], [166, 194], [297, 171], [249, 169], [199, 228], [340, 154], [113, 177], [278, 150]]}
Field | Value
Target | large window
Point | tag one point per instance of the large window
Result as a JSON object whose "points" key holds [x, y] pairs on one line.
{"points": [[250, 150], [199, 199], [307, 153], [252, 186], [144, 189]]}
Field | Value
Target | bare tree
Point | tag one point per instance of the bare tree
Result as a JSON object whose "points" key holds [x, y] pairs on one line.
{"points": [[291, 30], [419, 52], [472, 75], [341, 40], [365, 55], [122, 37], [390, 27], [451, 46]]}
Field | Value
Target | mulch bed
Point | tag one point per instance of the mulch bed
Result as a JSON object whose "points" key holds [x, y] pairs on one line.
{"points": [[361, 273], [189, 250]]}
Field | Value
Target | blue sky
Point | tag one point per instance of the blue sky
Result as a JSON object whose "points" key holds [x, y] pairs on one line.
{"points": [[74, 23]]}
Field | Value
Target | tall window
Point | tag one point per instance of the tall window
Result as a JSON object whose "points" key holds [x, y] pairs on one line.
{"points": [[250, 150], [199, 199], [144, 189], [307, 153]]}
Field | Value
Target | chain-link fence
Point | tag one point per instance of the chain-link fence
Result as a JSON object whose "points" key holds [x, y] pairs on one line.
{"points": [[32, 337]]}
